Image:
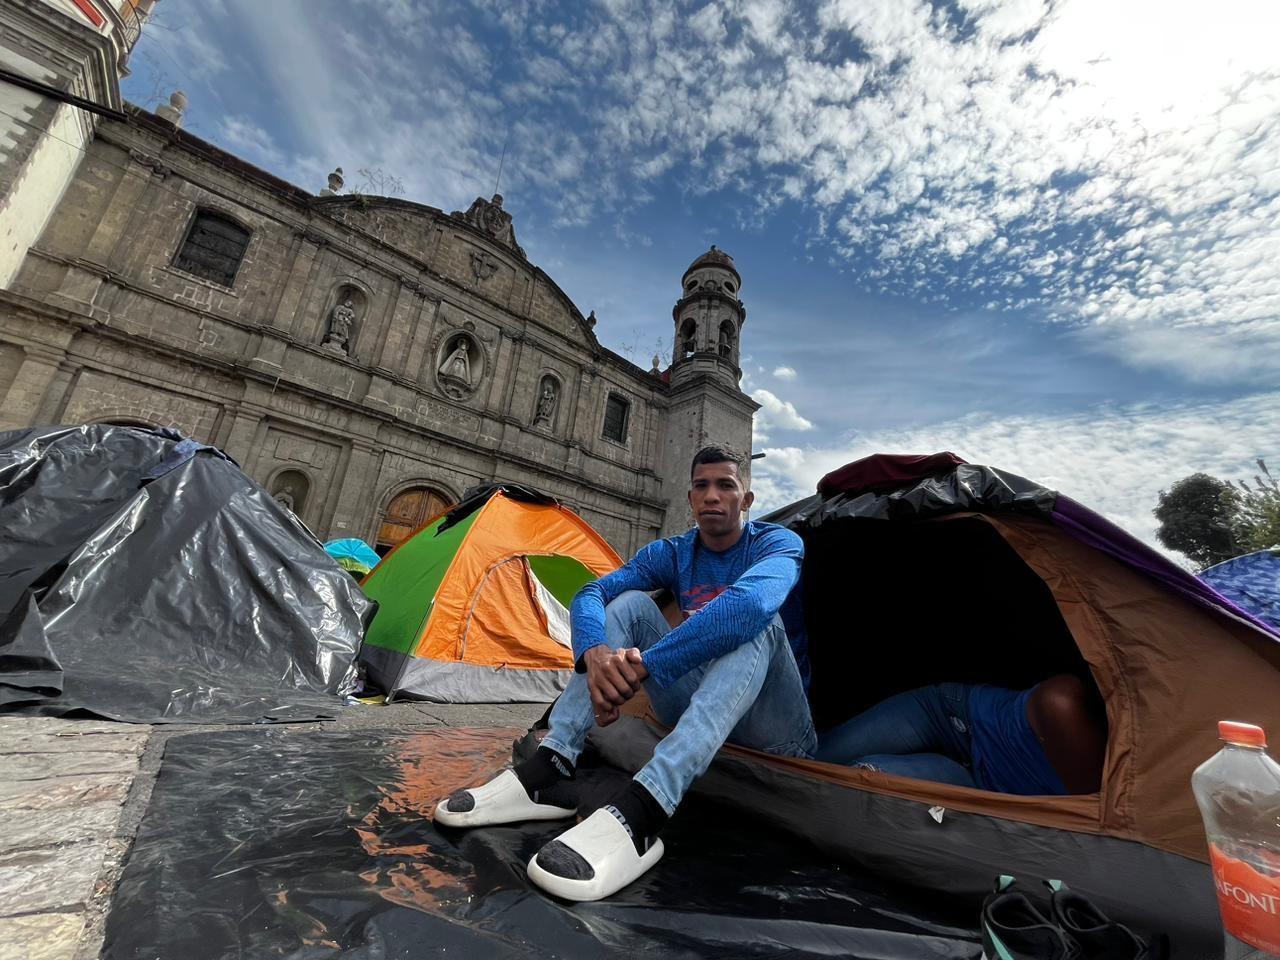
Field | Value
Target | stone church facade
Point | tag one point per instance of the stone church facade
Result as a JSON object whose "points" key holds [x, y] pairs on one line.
{"points": [[366, 359]]}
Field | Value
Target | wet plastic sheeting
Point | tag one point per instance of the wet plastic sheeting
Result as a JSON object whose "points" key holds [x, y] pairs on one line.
{"points": [[281, 842], [145, 577]]}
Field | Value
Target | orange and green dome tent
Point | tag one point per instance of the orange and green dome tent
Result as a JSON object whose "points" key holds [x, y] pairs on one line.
{"points": [[473, 608]]}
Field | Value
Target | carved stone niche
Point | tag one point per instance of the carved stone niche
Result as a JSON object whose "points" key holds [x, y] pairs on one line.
{"points": [[459, 364], [547, 403], [346, 308], [290, 489]]}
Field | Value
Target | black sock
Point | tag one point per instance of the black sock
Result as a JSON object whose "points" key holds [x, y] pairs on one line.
{"points": [[543, 773], [640, 814]]}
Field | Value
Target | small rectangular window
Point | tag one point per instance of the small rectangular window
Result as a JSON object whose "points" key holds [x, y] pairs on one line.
{"points": [[213, 248], [615, 418]]}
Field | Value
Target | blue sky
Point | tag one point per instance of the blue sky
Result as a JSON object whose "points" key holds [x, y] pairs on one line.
{"points": [[1043, 236]]}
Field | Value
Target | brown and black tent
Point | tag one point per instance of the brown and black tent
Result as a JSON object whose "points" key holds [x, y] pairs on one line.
{"points": [[922, 570]]}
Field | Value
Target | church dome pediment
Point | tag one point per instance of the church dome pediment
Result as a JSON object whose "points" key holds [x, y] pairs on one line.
{"points": [[403, 224], [488, 218], [715, 257], [478, 252]]}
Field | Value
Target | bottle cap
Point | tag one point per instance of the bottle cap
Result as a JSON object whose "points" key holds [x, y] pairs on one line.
{"points": [[1245, 734]]}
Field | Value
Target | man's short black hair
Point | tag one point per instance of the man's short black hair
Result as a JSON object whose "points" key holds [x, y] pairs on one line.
{"points": [[718, 453]]}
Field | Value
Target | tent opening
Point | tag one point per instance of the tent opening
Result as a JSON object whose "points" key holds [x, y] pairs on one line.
{"points": [[891, 606]]}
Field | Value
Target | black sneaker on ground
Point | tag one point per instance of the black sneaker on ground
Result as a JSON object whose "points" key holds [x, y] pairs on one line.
{"points": [[1013, 929], [1097, 936]]}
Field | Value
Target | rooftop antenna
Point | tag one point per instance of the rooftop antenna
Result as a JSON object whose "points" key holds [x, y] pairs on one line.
{"points": [[498, 179]]}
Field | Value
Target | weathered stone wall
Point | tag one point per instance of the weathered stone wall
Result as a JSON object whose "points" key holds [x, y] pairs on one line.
{"points": [[101, 325]]}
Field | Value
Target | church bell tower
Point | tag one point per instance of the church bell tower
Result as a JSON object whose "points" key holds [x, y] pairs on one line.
{"points": [[708, 318], [707, 404]]}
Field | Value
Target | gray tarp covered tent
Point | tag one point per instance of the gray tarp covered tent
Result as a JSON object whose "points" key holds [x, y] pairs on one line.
{"points": [[144, 577]]}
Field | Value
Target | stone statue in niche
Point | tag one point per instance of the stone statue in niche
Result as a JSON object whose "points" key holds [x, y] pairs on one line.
{"points": [[545, 415], [455, 373], [285, 499], [458, 364], [340, 320]]}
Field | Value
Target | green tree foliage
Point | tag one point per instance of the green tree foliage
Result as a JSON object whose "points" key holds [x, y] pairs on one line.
{"points": [[1212, 520], [1257, 521], [1199, 517]]}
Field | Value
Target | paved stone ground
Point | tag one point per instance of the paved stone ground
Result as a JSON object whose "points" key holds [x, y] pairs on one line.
{"points": [[73, 792]]}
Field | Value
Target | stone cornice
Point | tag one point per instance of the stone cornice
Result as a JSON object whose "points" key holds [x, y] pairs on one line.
{"points": [[732, 302], [704, 383]]}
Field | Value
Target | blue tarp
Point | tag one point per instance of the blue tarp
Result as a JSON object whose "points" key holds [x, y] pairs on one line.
{"points": [[1251, 582], [353, 549]]}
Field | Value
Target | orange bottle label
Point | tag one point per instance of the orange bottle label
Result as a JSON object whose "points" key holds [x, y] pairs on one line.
{"points": [[1249, 901]]}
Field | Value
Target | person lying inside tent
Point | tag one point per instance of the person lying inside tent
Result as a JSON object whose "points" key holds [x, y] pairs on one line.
{"points": [[1049, 739], [727, 672]]}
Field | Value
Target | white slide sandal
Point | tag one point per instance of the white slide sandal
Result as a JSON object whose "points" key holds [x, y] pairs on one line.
{"points": [[502, 800], [600, 860]]}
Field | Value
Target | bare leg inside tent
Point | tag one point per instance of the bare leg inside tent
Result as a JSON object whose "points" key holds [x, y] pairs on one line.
{"points": [[1069, 719]]}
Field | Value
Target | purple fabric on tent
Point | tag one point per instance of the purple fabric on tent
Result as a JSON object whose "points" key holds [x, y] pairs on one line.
{"points": [[885, 485], [1101, 534]]}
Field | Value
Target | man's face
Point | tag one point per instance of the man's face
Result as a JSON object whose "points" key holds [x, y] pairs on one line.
{"points": [[717, 497]]}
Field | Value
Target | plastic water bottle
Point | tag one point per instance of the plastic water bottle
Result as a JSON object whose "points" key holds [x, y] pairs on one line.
{"points": [[1238, 790]]}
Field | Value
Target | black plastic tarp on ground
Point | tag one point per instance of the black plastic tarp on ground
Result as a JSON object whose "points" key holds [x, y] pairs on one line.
{"points": [[292, 842], [145, 577]]}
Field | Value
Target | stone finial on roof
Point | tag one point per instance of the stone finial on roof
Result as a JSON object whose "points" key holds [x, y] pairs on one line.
{"points": [[335, 183], [173, 110]]}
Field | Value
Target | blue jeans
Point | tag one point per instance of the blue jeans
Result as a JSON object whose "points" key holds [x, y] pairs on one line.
{"points": [[751, 696], [922, 733]]}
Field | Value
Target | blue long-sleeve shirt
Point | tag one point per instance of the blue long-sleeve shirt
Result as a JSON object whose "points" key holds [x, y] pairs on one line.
{"points": [[727, 597]]}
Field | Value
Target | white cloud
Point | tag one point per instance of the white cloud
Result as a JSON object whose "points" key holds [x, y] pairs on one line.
{"points": [[776, 414], [359, 94], [250, 141], [708, 24], [1114, 460], [1089, 172], [182, 47], [784, 373], [765, 19]]}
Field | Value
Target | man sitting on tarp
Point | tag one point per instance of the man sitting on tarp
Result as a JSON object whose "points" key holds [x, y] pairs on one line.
{"points": [[727, 672]]}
